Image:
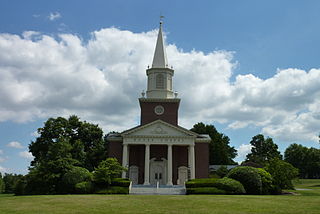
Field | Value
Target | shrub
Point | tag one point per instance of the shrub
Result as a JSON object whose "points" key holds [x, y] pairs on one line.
{"points": [[206, 190], [248, 177], [113, 190], [122, 182], [222, 171], [106, 171], [282, 173], [230, 185], [84, 187], [74, 176], [211, 186], [266, 180], [201, 182]]}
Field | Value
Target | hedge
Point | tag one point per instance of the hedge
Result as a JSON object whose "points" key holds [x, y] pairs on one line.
{"points": [[214, 186], [205, 190], [113, 190]]}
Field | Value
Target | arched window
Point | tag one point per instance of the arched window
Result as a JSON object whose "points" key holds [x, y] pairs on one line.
{"points": [[159, 81]]}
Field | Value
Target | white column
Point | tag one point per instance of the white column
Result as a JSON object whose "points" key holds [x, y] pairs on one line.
{"points": [[192, 162], [146, 164], [125, 158], [169, 165]]}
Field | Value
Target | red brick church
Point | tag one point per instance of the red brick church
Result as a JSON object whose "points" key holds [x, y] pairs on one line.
{"points": [[159, 150]]}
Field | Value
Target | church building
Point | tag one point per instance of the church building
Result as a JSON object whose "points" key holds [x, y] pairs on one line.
{"points": [[159, 150]]}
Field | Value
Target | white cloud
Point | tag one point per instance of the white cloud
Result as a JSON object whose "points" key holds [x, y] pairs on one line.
{"points": [[101, 79], [1, 152], [54, 15], [35, 134], [26, 154], [15, 144], [243, 150], [3, 170]]}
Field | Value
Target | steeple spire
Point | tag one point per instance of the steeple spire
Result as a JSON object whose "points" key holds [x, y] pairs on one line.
{"points": [[160, 57]]}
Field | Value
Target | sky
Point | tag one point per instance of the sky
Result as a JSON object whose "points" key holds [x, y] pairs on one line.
{"points": [[247, 67]]}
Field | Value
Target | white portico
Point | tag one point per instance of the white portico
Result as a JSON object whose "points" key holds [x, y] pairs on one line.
{"points": [[160, 133]]}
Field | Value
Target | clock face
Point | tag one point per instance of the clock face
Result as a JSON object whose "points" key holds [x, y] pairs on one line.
{"points": [[159, 110]]}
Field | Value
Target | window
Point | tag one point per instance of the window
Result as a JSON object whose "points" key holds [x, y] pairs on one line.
{"points": [[159, 81]]}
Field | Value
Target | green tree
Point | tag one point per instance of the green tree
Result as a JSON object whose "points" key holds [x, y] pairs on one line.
{"points": [[307, 160], [10, 181], [220, 152], [107, 170], [282, 173], [262, 150], [63, 144]]}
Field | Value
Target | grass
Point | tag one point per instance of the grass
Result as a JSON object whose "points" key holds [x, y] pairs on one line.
{"points": [[306, 201]]}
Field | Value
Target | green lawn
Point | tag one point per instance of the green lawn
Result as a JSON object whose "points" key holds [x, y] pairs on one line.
{"points": [[306, 201]]}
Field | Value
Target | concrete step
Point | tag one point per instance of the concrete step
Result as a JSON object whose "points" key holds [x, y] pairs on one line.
{"points": [[162, 190]]}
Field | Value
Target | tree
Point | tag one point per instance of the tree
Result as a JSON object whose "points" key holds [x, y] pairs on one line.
{"points": [[10, 181], [220, 152], [262, 150], [307, 160], [107, 170], [282, 173], [62, 145]]}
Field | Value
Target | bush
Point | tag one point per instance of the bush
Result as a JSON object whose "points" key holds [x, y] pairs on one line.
{"points": [[222, 171], [113, 190], [74, 176], [106, 171], [84, 187], [1, 184], [266, 180], [248, 177], [206, 191], [201, 182], [122, 182], [224, 185], [282, 173], [230, 185]]}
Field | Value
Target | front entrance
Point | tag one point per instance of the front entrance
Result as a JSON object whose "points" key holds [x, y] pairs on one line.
{"points": [[158, 171]]}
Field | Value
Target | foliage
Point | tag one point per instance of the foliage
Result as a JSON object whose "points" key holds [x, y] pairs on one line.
{"points": [[2, 185], [10, 181], [122, 182], [62, 145], [106, 171], [282, 173], [263, 150], [20, 187], [205, 191], [307, 160], [266, 180], [214, 186], [84, 187], [220, 152], [222, 171], [113, 190], [248, 177], [230, 185], [74, 176]]}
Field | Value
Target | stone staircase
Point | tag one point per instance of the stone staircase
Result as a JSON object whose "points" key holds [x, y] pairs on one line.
{"points": [[154, 190]]}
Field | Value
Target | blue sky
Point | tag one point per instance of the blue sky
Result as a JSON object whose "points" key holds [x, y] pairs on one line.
{"points": [[253, 66]]}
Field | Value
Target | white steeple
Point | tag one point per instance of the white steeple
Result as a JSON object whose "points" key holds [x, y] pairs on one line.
{"points": [[160, 57], [160, 75]]}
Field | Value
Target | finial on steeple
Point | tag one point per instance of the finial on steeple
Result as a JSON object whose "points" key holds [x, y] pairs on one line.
{"points": [[161, 19]]}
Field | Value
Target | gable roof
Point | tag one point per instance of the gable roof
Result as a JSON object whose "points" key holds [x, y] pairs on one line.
{"points": [[177, 128]]}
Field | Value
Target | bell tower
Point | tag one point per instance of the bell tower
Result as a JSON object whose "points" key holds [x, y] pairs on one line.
{"points": [[160, 102]]}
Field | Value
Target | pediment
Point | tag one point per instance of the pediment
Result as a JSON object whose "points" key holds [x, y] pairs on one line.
{"points": [[159, 128]]}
